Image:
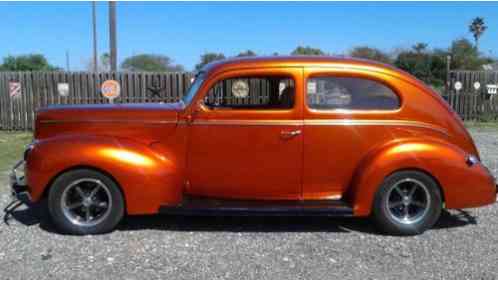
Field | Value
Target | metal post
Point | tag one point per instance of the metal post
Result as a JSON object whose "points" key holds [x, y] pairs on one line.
{"points": [[112, 34], [94, 23], [67, 61], [448, 78]]}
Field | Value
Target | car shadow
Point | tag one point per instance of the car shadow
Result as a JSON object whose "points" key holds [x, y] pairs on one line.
{"points": [[37, 215]]}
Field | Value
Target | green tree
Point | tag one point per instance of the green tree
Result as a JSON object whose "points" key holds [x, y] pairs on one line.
{"points": [[307, 51], [207, 58], [150, 63], [420, 47], [31, 62], [438, 61], [477, 28], [366, 52], [428, 66], [105, 62], [465, 56], [247, 53], [417, 64]]}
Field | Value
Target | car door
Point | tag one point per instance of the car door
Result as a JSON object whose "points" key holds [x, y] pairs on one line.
{"points": [[346, 114], [245, 136]]}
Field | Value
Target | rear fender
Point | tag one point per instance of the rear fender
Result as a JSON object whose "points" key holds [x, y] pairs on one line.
{"points": [[462, 186], [147, 179]]}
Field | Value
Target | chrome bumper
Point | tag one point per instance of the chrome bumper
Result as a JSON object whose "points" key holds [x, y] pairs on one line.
{"points": [[18, 187]]}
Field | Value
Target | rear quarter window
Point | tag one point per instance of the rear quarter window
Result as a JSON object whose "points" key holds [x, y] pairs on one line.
{"points": [[352, 93]]}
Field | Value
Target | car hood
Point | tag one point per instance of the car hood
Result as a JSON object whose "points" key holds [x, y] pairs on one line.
{"points": [[110, 112], [138, 121]]}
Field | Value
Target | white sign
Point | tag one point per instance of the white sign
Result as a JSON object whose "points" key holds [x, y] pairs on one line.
{"points": [[14, 89], [492, 89], [281, 88], [63, 89], [477, 85], [311, 88], [458, 85], [240, 89]]}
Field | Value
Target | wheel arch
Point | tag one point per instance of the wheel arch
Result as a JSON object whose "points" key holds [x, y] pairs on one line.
{"points": [[432, 158], [147, 178], [48, 186]]}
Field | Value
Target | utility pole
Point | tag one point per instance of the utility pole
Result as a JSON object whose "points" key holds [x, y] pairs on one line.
{"points": [[448, 77], [67, 61], [94, 23], [112, 34]]}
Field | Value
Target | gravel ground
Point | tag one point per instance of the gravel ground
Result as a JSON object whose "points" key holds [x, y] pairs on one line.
{"points": [[464, 244]]}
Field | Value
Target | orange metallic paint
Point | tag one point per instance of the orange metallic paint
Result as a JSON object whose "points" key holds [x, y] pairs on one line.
{"points": [[230, 160], [158, 153]]}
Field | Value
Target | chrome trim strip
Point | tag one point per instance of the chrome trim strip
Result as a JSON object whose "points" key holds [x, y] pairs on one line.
{"points": [[320, 122], [109, 121], [235, 122], [353, 122], [246, 122]]}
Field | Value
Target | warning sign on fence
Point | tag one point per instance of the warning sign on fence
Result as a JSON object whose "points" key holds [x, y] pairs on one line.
{"points": [[111, 89], [14, 89]]}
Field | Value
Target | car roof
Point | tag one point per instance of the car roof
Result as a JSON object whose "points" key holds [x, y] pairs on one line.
{"points": [[268, 61], [304, 61]]}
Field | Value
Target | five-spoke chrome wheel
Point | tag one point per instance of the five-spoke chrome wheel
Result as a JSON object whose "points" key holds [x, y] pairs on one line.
{"points": [[408, 201], [86, 202]]}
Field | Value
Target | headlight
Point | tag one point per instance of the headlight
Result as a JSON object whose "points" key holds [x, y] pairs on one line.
{"points": [[471, 160]]}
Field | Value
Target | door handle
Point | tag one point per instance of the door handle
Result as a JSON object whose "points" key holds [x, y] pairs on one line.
{"points": [[290, 134]]}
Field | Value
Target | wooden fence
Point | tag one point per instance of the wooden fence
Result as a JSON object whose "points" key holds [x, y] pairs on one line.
{"points": [[39, 89], [471, 103]]}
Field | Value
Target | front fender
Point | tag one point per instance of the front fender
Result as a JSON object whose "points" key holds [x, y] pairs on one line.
{"points": [[147, 178], [463, 186]]}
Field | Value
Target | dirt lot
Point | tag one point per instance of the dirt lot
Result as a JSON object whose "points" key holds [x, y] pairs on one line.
{"points": [[464, 244]]}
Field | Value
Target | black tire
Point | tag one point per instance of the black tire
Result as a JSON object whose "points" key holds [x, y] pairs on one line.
{"points": [[387, 219], [106, 223]]}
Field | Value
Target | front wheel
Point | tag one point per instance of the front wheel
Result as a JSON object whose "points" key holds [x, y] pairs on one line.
{"points": [[84, 202], [407, 203]]}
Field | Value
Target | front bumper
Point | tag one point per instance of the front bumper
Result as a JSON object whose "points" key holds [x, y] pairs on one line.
{"points": [[18, 186]]}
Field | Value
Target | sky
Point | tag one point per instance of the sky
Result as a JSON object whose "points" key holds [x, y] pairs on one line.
{"points": [[183, 31]]}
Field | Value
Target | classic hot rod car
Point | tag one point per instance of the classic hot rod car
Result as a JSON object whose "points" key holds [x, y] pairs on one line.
{"points": [[267, 135]]}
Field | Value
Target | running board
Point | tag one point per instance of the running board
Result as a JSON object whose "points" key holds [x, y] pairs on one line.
{"points": [[208, 206]]}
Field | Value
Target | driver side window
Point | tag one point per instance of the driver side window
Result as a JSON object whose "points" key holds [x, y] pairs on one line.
{"points": [[252, 92]]}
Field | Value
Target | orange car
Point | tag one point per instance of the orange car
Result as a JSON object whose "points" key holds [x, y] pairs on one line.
{"points": [[278, 135]]}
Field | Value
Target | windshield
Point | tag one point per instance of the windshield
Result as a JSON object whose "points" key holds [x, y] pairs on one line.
{"points": [[187, 98]]}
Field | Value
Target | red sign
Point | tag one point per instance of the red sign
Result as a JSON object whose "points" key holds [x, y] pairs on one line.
{"points": [[111, 89], [14, 89]]}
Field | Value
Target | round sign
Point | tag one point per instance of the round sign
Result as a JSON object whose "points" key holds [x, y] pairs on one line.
{"points": [[111, 89], [477, 85], [240, 89], [458, 85]]}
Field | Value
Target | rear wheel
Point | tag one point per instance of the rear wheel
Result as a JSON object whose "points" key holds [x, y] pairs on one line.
{"points": [[85, 202], [407, 203]]}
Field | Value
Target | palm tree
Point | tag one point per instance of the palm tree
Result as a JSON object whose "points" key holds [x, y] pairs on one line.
{"points": [[477, 28], [420, 47]]}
